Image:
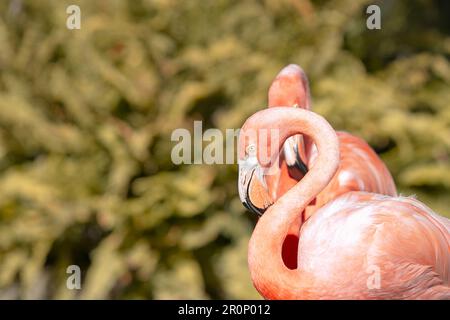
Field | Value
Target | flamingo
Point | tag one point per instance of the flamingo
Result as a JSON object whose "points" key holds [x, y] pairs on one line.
{"points": [[360, 168], [355, 232]]}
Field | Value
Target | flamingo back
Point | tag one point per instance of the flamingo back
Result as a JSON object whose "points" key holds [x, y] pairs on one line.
{"points": [[360, 169], [359, 233]]}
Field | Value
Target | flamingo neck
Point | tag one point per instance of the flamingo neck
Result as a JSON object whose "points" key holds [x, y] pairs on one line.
{"points": [[270, 275]]}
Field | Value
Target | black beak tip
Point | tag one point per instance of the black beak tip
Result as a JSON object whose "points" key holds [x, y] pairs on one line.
{"points": [[253, 209]]}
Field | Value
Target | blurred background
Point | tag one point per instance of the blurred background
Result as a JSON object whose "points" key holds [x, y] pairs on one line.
{"points": [[86, 118]]}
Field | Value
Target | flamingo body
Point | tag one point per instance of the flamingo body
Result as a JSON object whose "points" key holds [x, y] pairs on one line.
{"points": [[356, 233], [360, 169]]}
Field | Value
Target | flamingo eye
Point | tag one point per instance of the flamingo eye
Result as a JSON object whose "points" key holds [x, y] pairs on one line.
{"points": [[251, 150]]}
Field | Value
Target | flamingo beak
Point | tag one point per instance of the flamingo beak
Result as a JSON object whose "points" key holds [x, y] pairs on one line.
{"points": [[252, 187]]}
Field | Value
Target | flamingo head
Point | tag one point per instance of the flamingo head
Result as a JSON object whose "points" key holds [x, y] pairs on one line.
{"points": [[257, 162], [252, 187], [261, 182]]}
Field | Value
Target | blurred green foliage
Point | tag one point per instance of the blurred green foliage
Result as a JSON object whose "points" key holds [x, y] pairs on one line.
{"points": [[86, 117]]}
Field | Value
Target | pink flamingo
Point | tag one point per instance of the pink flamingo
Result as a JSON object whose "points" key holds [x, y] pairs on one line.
{"points": [[360, 168], [401, 238]]}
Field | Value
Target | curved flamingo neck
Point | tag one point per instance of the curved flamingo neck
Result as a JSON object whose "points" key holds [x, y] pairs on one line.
{"points": [[270, 275]]}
